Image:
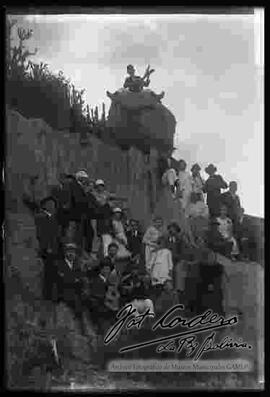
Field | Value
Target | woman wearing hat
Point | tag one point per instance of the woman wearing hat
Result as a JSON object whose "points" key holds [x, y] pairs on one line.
{"points": [[168, 203], [197, 183], [212, 188], [119, 234]]}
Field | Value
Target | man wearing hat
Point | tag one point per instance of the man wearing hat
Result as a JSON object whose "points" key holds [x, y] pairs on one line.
{"points": [[212, 188], [69, 281], [83, 208]]}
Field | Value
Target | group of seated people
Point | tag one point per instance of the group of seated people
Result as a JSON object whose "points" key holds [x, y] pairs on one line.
{"points": [[152, 269]]}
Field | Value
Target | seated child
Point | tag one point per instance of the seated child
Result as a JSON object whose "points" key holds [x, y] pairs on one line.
{"points": [[225, 227]]}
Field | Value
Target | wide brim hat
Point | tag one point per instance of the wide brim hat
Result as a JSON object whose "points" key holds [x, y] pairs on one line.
{"points": [[195, 167], [81, 174], [210, 168], [117, 210], [70, 247], [99, 182]]}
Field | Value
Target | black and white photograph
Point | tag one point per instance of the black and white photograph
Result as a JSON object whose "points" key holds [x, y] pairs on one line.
{"points": [[134, 199]]}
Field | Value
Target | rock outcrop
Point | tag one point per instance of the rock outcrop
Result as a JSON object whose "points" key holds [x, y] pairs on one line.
{"points": [[140, 119]]}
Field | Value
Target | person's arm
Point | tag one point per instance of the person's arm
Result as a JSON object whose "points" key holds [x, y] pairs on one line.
{"points": [[126, 83], [147, 236], [170, 262], [223, 184], [205, 187], [146, 82]]}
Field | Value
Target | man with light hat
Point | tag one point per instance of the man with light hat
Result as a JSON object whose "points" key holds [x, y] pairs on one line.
{"points": [[117, 210], [84, 207]]}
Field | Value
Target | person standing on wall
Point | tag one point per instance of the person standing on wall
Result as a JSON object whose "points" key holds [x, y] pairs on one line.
{"points": [[232, 202], [104, 223], [212, 188], [83, 208]]}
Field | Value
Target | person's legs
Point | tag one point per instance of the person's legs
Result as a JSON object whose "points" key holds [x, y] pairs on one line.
{"points": [[106, 241], [180, 276], [88, 235]]}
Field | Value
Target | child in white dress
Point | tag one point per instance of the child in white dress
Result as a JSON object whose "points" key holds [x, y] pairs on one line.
{"points": [[161, 264]]}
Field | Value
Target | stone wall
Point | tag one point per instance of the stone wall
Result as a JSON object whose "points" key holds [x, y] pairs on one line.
{"points": [[35, 150]]}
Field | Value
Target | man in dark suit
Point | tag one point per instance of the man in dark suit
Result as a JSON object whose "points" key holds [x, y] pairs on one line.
{"points": [[47, 227], [134, 238], [101, 313], [232, 202], [69, 281], [83, 207]]}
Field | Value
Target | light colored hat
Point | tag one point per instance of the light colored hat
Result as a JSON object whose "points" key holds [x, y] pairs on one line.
{"points": [[81, 174], [70, 246], [117, 209], [100, 182]]}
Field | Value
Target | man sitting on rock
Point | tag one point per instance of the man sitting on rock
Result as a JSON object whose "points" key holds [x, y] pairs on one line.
{"points": [[136, 83]]}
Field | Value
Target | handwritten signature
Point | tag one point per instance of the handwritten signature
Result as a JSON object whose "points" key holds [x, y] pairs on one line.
{"points": [[207, 321]]}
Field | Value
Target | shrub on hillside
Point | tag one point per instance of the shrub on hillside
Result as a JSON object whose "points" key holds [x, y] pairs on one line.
{"points": [[36, 92]]}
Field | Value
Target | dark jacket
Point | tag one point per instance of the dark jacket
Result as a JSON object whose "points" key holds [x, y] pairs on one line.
{"points": [[134, 242], [77, 202], [213, 187], [98, 288], [233, 205], [47, 232], [68, 282], [104, 221]]}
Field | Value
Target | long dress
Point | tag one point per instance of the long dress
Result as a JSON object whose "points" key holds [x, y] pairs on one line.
{"points": [[185, 182], [161, 266], [197, 184], [150, 238], [168, 203], [120, 239]]}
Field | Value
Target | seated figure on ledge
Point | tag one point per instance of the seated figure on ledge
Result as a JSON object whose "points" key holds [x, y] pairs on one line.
{"points": [[136, 83]]}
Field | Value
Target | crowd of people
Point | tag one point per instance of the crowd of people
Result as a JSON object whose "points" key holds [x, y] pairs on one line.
{"points": [[153, 268]]}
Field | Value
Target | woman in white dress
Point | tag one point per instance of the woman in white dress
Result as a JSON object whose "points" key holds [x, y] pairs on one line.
{"points": [[119, 235], [161, 263], [150, 239], [185, 184]]}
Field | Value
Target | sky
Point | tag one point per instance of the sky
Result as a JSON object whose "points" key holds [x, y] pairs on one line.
{"points": [[211, 68]]}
